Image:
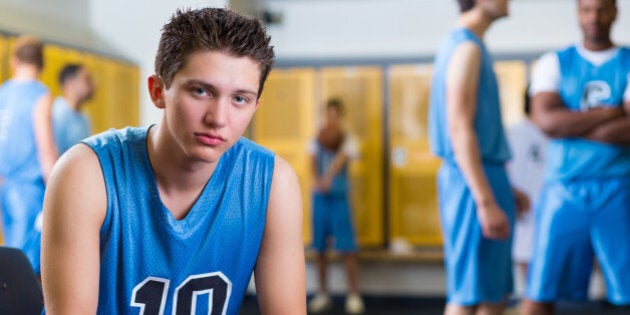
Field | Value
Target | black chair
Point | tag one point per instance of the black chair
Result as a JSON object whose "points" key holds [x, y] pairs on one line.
{"points": [[20, 291]]}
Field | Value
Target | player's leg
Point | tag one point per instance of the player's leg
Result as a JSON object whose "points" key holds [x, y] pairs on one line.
{"points": [[496, 277], [478, 270], [562, 255], [345, 242], [320, 227], [610, 233]]}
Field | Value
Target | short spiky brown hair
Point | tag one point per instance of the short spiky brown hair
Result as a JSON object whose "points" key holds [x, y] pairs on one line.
{"points": [[466, 5], [29, 50], [212, 29]]}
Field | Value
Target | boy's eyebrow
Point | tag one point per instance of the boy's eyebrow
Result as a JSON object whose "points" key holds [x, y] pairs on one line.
{"points": [[211, 87]]}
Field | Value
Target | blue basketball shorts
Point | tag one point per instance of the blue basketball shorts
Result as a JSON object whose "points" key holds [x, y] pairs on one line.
{"points": [[332, 220], [575, 223], [478, 270], [21, 203]]}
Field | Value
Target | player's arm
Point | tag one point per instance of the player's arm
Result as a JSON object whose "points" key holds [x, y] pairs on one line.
{"points": [[313, 167], [338, 162], [616, 131], [461, 93], [280, 271], [44, 136], [74, 210], [550, 113]]}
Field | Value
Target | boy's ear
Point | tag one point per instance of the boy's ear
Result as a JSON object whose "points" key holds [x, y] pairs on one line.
{"points": [[156, 90]]}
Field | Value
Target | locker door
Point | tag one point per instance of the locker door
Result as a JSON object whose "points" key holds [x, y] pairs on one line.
{"points": [[115, 103], [284, 123], [414, 214], [124, 107], [512, 78], [4, 58], [97, 107], [361, 91], [55, 58]]}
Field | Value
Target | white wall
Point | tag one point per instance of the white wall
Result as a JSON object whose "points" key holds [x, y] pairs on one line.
{"points": [[407, 28], [52, 20]]}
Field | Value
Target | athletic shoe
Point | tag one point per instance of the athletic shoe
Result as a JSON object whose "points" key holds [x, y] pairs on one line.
{"points": [[354, 304], [320, 303]]}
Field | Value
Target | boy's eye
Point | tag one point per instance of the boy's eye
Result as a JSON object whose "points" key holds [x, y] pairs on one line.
{"points": [[199, 91], [240, 99]]}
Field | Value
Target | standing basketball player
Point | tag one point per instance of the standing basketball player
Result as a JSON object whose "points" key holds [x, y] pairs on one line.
{"points": [[27, 147], [331, 153], [477, 205], [581, 99], [175, 217]]}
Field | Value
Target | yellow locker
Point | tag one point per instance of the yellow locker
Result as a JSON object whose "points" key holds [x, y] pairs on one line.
{"points": [[10, 40], [414, 214], [361, 91], [97, 107], [55, 58], [115, 103], [4, 59], [124, 109], [512, 79], [284, 123]]}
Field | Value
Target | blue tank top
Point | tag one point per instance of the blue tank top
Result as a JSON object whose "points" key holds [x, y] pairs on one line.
{"points": [[340, 183], [19, 160], [69, 126], [200, 264], [584, 86], [488, 126]]}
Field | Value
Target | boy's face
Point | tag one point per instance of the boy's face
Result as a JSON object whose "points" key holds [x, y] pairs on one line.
{"points": [[596, 18], [83, 85], [495, 8], [210, 103]]}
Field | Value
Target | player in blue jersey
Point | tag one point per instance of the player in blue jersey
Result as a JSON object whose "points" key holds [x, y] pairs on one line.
{"points": [[174, 218], [27, 147], [581, 99], [69, 123], [331, 153], [69, 126], [477, 204]]}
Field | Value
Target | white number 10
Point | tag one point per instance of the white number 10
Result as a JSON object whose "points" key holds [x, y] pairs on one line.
{"points": [[150, 294]]}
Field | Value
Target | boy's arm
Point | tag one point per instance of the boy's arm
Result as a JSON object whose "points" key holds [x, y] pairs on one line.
{"points": [[552, 117], [461, 93], [74, 210], [280, 272], [616, 131], [338, 162], [44, 135]]}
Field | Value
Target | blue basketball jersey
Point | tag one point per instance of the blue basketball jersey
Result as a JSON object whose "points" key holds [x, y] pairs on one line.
{"points": [[488, 126], [340, 183], [69, 126], [18, 150], [152, 263], [584, 86]]}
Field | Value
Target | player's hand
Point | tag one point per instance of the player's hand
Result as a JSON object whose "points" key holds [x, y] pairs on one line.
{"points": [[494, 222], [323, 184], [523, 204]]}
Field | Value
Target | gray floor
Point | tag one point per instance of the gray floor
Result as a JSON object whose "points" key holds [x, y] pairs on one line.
{"points": [[434, 306]]}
